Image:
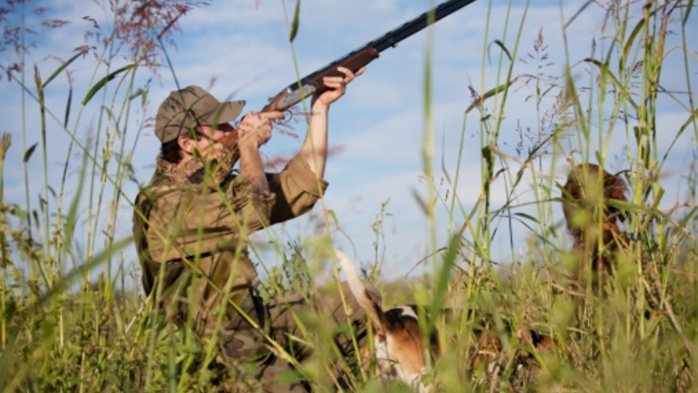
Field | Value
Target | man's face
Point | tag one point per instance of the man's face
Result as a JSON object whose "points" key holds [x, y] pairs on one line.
{"points": [[207, 141], [209, 135]]}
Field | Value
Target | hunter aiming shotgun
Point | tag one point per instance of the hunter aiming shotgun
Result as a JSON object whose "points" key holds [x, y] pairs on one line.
{"points": [[312, 83]]}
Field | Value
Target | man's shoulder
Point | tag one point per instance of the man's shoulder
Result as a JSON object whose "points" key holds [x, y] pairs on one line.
{"points": [[160, 187], [158, 184]]}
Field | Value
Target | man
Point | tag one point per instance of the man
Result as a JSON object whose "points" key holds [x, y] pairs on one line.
{"points": [[193, 220]]}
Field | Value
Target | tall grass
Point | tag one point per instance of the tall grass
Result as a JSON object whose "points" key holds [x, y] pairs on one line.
{"points": [[72, 321]]}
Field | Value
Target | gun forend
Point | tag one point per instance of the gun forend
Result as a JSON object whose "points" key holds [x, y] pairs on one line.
{"points": [[313, 84]]}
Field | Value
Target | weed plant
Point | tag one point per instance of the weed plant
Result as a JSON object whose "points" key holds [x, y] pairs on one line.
{"points": [[74, 319]]}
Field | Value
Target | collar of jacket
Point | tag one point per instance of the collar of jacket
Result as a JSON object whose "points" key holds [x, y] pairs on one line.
{"points": [[194, 172]]}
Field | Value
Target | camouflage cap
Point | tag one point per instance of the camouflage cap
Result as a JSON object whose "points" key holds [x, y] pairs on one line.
{"points": [[190, 107]]}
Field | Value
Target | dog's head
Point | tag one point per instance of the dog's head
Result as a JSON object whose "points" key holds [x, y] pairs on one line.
{"points": [[588, 186]]}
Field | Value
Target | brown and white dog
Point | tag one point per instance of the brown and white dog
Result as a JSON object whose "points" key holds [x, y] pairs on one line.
{"points": [[399, 347]]}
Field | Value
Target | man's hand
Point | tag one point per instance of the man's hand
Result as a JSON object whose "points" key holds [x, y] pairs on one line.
{"points": [[336, 86], [255, 128]]}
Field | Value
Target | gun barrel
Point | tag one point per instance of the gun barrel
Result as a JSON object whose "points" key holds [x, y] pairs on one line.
{"points": [[407, 29], [391, 38]]}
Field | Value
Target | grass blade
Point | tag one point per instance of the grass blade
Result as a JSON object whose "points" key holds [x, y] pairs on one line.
{"points": [[102, 82], [63, 67], [295, 22]]}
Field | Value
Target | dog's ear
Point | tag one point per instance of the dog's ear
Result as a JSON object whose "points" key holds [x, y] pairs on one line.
{"points": [[365, 300]]}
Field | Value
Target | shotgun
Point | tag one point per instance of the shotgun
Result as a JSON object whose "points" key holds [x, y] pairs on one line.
{"points": [[312, 84], [354, 60]]}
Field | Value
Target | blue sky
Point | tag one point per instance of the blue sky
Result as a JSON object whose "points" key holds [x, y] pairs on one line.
{"points": [[240, 49]]}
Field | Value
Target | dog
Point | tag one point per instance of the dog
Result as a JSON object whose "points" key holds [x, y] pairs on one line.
{"points": [[398, 345], [399, 348], [586, 185]]}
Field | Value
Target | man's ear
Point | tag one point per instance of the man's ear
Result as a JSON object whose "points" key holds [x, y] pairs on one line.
{"points": [[185, 143]]}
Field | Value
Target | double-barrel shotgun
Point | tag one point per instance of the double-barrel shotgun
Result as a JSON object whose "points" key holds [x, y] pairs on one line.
{"points": [[313, 83]]}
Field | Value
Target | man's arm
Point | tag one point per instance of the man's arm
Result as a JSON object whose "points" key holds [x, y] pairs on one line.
{"points": [[254, 131], [314, 148]]}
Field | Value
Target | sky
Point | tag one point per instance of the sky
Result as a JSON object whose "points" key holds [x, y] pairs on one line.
{"points": [[240, 49]]}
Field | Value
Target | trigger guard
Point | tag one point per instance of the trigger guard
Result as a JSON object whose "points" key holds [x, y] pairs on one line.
{"points": [[288, 115]]}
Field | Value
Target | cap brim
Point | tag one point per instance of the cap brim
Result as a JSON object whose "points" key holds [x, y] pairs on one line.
{"points": [[227, 112]]}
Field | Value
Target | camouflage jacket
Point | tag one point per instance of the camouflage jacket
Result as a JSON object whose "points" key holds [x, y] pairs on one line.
{"points": [[192, 239]]}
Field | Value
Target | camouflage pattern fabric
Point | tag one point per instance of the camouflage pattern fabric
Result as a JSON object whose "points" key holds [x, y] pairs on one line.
{"points": [[192, 240], [331, 318], [192, 246]]}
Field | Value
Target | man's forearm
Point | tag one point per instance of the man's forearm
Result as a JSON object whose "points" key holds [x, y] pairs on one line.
{"points": [[314, 149], [254, 131], [251, 168]]}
